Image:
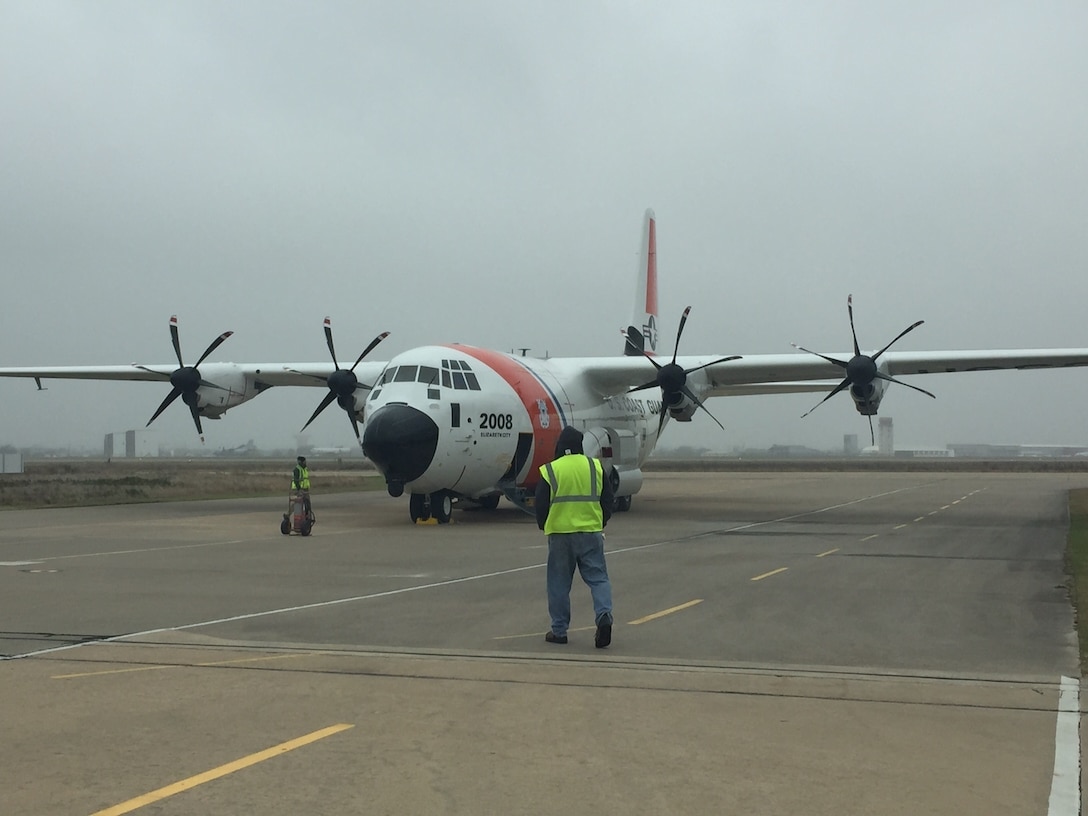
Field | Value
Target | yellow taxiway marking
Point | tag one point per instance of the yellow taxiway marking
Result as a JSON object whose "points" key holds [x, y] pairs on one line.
{"points": [[180, 666], [222, 770], [920, 518], [769, 574], [665, 612], [541, 634], [870, 538], [828, 552], [899, 527]]}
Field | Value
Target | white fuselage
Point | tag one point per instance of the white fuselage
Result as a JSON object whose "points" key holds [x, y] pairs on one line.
{"points": [[497, 418]]}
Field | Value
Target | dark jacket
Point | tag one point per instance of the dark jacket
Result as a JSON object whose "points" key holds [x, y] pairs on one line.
{"points": [[570, 441]]}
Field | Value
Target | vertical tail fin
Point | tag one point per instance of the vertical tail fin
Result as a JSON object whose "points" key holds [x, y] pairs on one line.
{"points": [[642, 333]]}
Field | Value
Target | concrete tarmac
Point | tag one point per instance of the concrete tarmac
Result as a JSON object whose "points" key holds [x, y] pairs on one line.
{"points": [[819, 643]]}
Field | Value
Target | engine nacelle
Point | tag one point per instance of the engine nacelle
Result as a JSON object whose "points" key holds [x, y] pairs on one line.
{"points": [[867, 397], [626, 482], [680, 406], [231, 388], [619, 452]]}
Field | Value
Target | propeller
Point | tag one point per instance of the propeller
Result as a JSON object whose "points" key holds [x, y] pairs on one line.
{"points": [[861, 369], [186, 379], [343, 382], [672, 378]]}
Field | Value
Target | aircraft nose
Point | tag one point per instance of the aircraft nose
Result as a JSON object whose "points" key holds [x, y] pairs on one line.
{"points": [[401, 441]]}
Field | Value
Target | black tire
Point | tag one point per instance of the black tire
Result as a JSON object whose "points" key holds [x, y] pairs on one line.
{"points": [[442, 506], [285, 526], [623, 504], [305, 528], [417, 507]]}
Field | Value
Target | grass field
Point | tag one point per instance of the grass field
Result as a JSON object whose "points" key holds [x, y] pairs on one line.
{"points": [[83, 482]]}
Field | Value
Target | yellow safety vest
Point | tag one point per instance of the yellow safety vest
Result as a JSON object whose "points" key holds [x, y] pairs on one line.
{"points": [[301, 479], [575, 482]]}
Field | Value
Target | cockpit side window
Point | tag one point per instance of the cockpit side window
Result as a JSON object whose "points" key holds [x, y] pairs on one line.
{"points": [[388, 374]]}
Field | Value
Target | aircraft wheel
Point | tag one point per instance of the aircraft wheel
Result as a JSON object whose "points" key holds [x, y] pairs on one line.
{"points": [[441, 506], [285, 526], [417, 507], [489, 502], [623, 503]]}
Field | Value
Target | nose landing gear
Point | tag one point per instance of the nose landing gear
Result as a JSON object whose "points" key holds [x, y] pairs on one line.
{"points": [[431, 508]]}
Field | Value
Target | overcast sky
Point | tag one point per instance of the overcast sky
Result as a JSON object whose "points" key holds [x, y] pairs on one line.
{"points": [[477, 172]]}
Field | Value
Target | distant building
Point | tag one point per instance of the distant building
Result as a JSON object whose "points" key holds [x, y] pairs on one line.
{"points": [[136, 444], [984, 451], [885, 438]]}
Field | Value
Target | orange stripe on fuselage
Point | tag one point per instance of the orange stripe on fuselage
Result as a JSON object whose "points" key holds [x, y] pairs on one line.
{"points": [[547, 421]]}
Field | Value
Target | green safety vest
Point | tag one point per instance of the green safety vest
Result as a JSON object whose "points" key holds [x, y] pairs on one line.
{"points": [[575, 481], [301, 479]]}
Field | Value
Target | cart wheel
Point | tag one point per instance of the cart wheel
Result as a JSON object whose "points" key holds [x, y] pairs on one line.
{"points": [[285, 526], [305, 528]]}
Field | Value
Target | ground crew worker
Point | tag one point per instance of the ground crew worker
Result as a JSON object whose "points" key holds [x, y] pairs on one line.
{"points": [[300, 481], [573, 504]]}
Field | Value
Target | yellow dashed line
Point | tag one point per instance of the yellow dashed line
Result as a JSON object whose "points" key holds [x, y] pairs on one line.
{"points": [[769, 574], [665, 612], [222, 770], [821, 555]]}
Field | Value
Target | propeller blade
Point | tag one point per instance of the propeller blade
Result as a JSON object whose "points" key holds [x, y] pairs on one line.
{"points": [[905, 331], [196, 418], [174, 338], [830, 394], [850, 311], [839, 363], [216, 343], [173, 395], [872, 436], [325, 403], [884, 376], [680, 331], [661, 414], [699, 402], [370, 348], [328, 339]]}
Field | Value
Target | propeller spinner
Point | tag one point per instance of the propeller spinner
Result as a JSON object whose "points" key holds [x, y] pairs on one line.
{"points": [[861, 369], [672, 378], [342, 382], [186, 379]]}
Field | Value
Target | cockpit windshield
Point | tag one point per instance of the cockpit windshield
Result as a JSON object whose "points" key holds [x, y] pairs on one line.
{"points": [[455, 374]]}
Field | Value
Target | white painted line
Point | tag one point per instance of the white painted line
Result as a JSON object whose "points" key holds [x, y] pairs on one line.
{"points": [[1065, 784], [421, 587]]}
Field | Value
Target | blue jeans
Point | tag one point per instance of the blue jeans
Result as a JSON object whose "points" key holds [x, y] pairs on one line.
{"points": [[586, 552]]}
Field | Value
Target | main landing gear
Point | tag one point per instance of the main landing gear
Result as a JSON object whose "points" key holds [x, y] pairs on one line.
{"points": [[431, 508]]}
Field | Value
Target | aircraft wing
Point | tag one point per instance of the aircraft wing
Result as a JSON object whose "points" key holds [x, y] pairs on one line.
{"points": [[800, 372], [269, 374]]}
